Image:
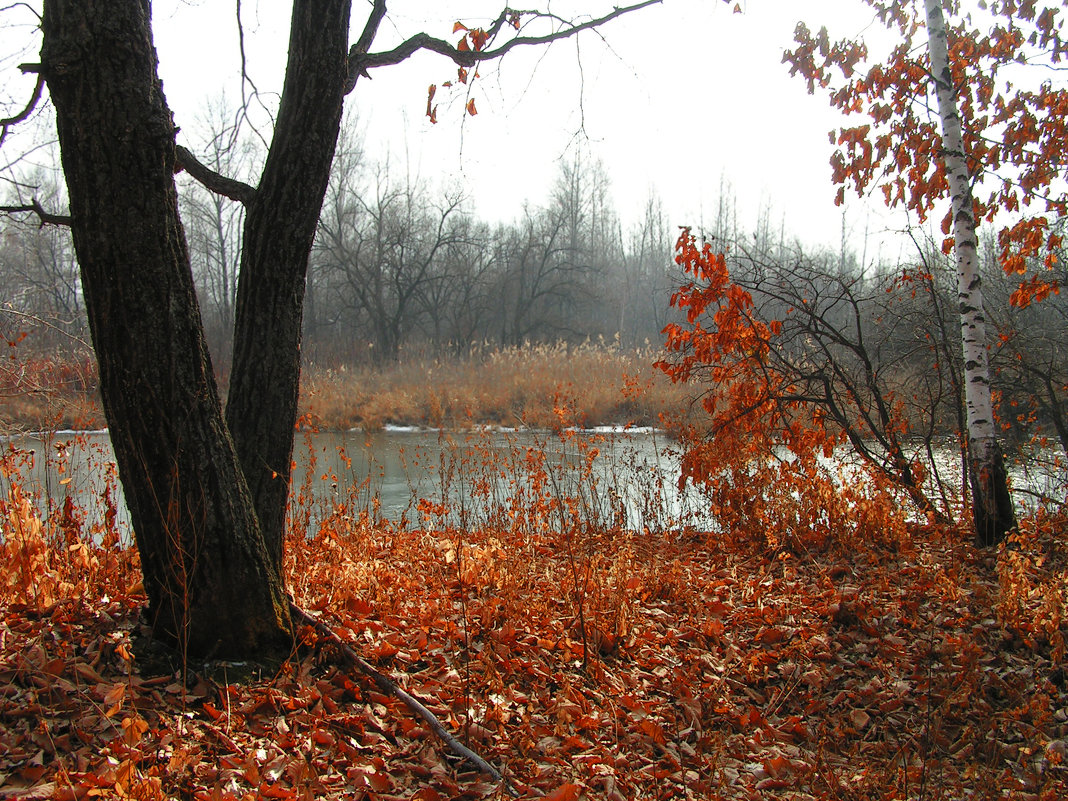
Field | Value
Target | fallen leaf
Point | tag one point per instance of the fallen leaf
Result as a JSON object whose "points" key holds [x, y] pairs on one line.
{"points": [[565, 792]]}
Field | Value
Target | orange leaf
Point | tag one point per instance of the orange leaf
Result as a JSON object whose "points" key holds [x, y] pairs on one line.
{"points": [[379, 782], [211, 711], [653, 729], [463, 46], [777, 766], [431, 110], [565, 792], [276, 791], [115, 695], [770, 635], [385, 650], [471, 107], [133, 729], [86, 672], [322, 737], [31, 773], [459, 26]]}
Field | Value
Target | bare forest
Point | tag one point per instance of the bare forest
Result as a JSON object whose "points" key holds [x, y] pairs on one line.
{"points": [[403, 273]]}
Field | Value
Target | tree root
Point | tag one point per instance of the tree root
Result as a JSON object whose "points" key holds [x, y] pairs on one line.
{"points": [[388, 687]]}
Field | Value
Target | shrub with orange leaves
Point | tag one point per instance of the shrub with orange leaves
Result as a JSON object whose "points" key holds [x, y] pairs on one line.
{"points": [[1033, 578], [46, 558], [29, 576], [765, 461]]}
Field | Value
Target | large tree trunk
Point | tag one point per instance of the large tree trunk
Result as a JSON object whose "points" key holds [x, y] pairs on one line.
{"points": [[212, 587], [261, 407], [992, 505]]}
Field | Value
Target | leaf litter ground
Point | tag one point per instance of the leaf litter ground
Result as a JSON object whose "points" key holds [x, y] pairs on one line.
{"points": [[596, 664]]}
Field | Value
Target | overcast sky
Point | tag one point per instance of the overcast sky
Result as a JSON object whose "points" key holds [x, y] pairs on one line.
{"points": [[676, 100]]}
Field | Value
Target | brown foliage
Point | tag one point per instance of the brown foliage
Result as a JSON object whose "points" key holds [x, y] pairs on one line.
{"points": [[48, 391], [510, 387], [583, 658]]}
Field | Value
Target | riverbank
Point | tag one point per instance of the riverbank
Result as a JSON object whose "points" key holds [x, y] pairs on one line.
{"points": [[539, 386], [821, 645], [588, 662]]}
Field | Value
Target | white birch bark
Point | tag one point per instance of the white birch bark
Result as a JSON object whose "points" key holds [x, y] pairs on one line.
{"points": [[993, 512]]}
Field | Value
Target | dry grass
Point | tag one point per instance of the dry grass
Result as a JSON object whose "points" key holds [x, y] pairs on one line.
{"points": [[48, 392], [597, 383]]}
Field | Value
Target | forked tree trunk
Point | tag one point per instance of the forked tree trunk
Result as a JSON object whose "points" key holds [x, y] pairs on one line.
{"points": [[992, 506], [212, 587], [261, 408]]}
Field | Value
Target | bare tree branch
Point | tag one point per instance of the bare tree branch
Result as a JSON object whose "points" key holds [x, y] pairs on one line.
{"points": [[360, 62], [378, 13], [359, 50], [219, 184], [41, 321], [246, 99], [34, 207], [26, 6], [6, 124]]}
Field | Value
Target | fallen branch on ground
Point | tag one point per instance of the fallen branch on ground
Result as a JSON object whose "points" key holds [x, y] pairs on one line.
{"points": [[389, 687]]}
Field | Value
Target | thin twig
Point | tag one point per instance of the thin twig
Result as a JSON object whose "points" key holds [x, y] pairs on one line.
{"points": [[361, 62], [34, 318], [389, 687], [34, 207]]}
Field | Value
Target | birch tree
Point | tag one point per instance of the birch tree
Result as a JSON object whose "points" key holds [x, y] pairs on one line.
{"points": [[963, 111], [991, 502]]}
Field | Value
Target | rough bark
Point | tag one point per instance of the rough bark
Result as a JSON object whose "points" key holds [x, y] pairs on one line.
{"points": [[261, 407], [207, 497], [211, 586], [992, 509]]}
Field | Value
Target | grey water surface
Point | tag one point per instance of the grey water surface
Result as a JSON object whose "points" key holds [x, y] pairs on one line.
{"points": [[628, 473]]}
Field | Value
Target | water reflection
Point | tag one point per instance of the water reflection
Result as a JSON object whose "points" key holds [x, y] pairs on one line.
{"points": [[466, 478], [625, 478], [628, 477]]}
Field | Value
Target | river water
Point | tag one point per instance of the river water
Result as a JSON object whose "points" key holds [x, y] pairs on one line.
{"points": [[629, 476], [406, 475]]}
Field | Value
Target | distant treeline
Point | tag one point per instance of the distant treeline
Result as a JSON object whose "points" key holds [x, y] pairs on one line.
{"points": [[402, 267]]}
